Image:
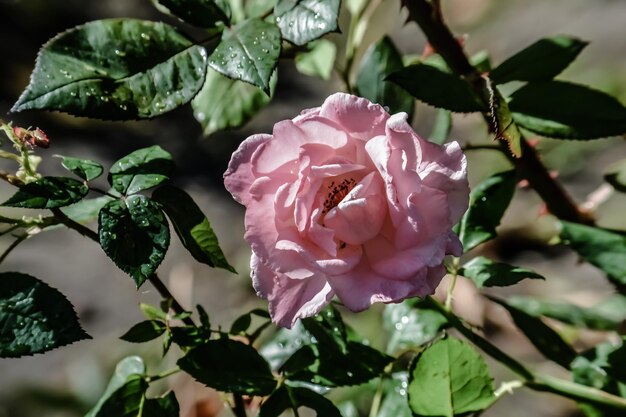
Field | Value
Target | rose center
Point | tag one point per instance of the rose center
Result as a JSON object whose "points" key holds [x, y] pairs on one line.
{"points": [[336, 191]]}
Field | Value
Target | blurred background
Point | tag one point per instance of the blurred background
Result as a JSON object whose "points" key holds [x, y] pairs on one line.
{"points": [[68, 381]]}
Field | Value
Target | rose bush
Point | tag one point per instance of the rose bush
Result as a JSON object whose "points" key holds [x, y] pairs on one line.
{"points": [[345, 200]]}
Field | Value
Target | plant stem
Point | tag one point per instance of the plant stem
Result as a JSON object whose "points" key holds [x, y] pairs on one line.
{"points": [[13, 245], [528, 165], [239, 409], [455, 275], [163, 374]]}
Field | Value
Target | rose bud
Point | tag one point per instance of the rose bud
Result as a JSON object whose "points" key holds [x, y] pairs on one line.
{"points": [[347, 201]]}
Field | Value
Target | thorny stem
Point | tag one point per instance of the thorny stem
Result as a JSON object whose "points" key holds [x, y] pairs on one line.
{"points": [[528, 165]]}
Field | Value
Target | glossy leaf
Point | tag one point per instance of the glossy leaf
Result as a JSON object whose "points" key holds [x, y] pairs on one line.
{"points": [[438, 88], [201, 13], [192, 226], [604, 248], [285, 342], [563, 110], [140, 170], [47, 193], [488, 202], [229, 366], [135, 235], [380, 60], [319, 61], [84, 168], [126, 401], [86, 210], [410, 325], [442, 127], [544, 338], [116, 69], [248, 52], [449, 378], [302, 21], [286, 398], [541, 61], [487, 273], [34, 317], [144, 331]]}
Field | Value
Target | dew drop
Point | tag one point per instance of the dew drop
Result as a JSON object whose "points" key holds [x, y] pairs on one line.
{"points": [[321, 26], [145, 36], [120, 53], [265, 51], [404, 319]]}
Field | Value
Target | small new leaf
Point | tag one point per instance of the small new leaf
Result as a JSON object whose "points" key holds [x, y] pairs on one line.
{"points": [[302, 21], [487, 273], [144, 331], [84, 168], [140, 170], [47, 193]]}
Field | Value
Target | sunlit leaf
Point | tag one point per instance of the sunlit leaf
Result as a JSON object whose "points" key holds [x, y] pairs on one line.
{"points": [[140, 170], [487, 273], [302, 21], [84, 168]]}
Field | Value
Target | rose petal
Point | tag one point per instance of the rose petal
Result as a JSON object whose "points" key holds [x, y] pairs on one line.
{"points": [[239, 177], [358, 116]]}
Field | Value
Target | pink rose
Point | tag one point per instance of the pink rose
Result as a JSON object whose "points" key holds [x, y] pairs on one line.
{"points": [[346, 200]]}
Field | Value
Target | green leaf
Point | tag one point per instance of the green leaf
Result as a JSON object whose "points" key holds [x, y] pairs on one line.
{"points": [[328, 329], [229, 366], [135, 235], [140, 170], [47, 193], [609, 314], [201, 13], [544, 338], [302, 21], [488, 202], [165, 406], [487, 273], [189, 336], [285, 342], [319, 61], [286, 397], [438, 88], [84, 168], [259, 8], [243, 322], [615, 175], [153, 312], [192, 227], [442, 127], [86, 210], [449, 378], [117, 69], [604, 248], [380, 60], [224, 103], [248, 52], [395, 402], [34, 317], [410, 325], [563, 110], [126, 401], [541, 61], [144, 331]]}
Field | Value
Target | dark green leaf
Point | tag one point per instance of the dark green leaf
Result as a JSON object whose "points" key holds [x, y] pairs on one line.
{"points": [[204, 317], [224, 103], [563, 110], [165, 406], [86, 210], [442, 127], [284, 343], [249, 52], [34, 317], [606, 315], [449, 378], [543, 337], [380, 60], [287, 397], [319, 61], [84, 168], [116, 69], [229, 366], [243, 322], [541, 61], [128, 368], [202, 13], [144, 331], [328, 329], [47, 193], [488, 202], [188, 336], [126, 401], [302, 21], [135, 235], [192, 227], [438, 88], [616, 175], [603, 248], [140, 170], [487, 273]]}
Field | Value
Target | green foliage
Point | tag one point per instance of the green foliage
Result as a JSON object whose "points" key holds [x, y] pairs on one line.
{"points": [[395, 402], [488, 202], [203, 13], [87, 209], [243, 322], [541, 61], [165, 406], [563, 110], [84, 168], [487, 273], [126, 401], [34, 317], [437, 87], [230, 366], [135, 235], [140, 170], [116, 69], [603, 248], [441, 127], [47, 193], [380, 60], [544, 338], [319, 61], [248, 52], [410, 325], [449, 378], [301, 21], [286, 397], [144, 331], [192, 226]]}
